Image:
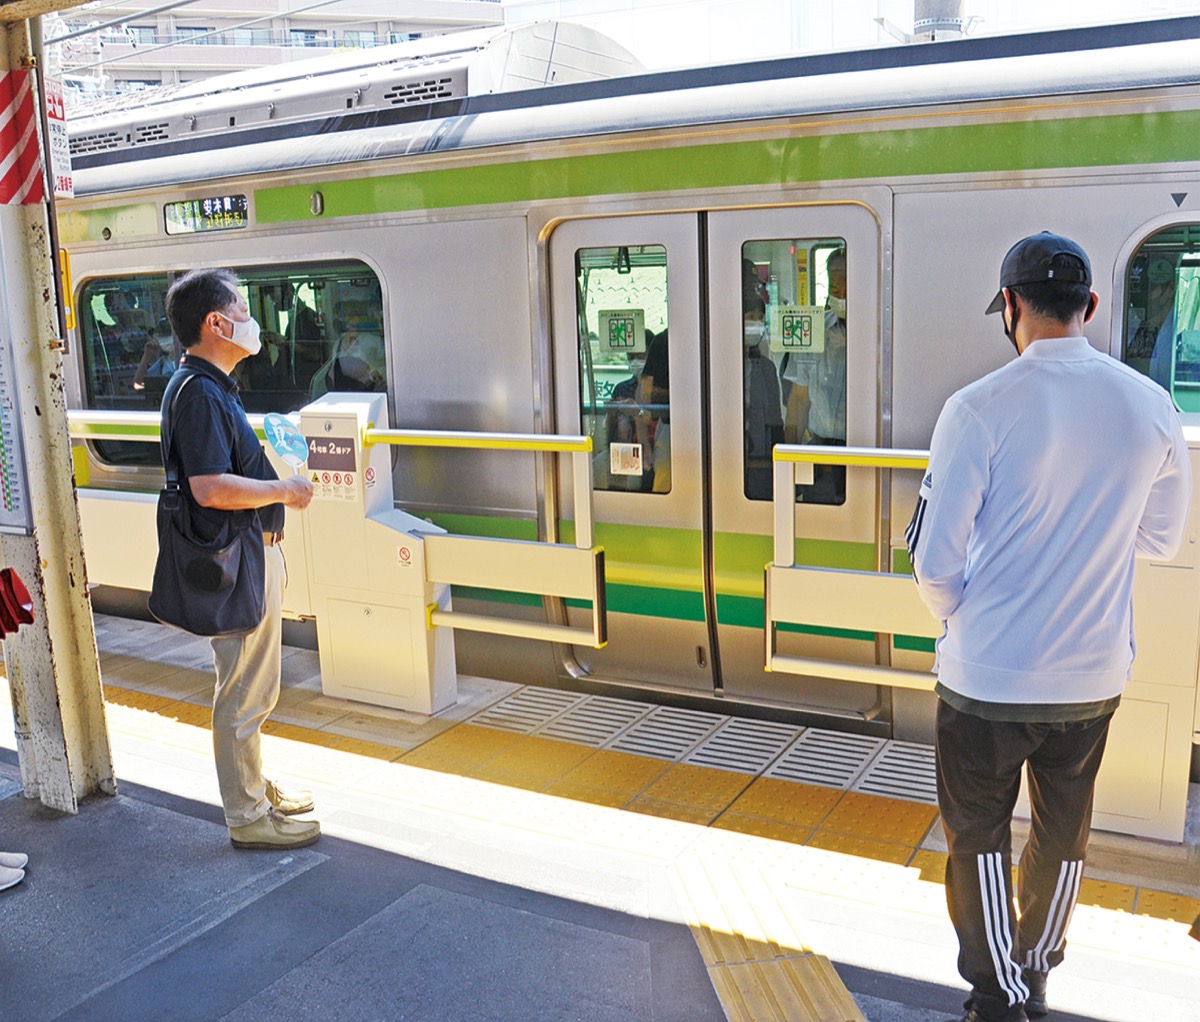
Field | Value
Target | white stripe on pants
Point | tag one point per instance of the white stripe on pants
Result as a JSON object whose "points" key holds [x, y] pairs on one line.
{"points": [[247, 689]]}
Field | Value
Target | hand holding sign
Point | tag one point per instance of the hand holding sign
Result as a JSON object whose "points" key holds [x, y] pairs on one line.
{"points": [[286, 440]]}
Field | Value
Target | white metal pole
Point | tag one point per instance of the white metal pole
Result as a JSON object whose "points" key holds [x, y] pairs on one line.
{"points": [[785, 513], [53, 667]]}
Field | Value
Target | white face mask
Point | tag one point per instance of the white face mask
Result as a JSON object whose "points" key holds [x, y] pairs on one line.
{"points": [[245, 333], [837, 306], [752, 333]]}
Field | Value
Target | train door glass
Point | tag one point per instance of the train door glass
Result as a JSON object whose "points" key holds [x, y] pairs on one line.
{"points": [[780, 282], [1162, 313], [794, 359], [322, 329], [612, 284], [624, 365]]}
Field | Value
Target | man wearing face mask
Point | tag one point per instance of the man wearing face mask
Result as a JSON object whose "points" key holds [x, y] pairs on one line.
{"points": [[816, 402], [1046, 479], [223, 469]]}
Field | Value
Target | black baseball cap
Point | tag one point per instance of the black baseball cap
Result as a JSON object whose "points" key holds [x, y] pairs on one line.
{"points": [[1029, 261]]}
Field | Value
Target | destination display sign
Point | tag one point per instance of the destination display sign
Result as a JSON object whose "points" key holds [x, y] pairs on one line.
{"points": [[199, 216]]}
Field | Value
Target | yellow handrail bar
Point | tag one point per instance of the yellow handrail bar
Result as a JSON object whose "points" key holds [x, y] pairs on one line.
{"points": [[867, 457], [539, 442]]}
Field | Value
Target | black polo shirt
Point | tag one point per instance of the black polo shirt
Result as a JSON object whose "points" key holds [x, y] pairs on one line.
{"points": [[212, 435]]}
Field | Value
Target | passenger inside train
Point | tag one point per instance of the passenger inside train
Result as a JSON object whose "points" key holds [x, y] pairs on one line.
{"points": [[1162, 317], [358, 362], [816, 399], [624, 366], [763, 410]]}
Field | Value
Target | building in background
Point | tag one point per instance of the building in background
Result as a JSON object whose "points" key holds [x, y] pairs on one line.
{"points": [[690, 33], [112, 48]]}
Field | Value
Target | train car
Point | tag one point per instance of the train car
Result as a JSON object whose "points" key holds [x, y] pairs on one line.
{"points": [[585, 259]]}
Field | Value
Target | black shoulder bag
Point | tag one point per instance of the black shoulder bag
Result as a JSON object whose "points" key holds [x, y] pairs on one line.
{"points": [[206, 587]]}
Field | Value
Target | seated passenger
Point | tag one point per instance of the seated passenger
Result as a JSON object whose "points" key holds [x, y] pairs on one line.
{"points": [[762, 407], [158, 361], [359, 361]]}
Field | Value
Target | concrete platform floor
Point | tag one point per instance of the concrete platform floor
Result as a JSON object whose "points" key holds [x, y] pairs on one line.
{"points": [[470, 872]]}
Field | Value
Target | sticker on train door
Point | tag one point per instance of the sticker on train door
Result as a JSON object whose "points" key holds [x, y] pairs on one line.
{"points": [[625, 459]]}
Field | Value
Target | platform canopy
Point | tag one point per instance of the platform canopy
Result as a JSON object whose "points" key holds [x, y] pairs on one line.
{"points": [[19, 10]]}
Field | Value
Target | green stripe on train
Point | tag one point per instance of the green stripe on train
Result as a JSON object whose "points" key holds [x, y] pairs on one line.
{"points": [[1162, 137]]}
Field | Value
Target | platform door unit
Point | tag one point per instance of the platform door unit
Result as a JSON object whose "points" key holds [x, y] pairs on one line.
{"points": [[687, 346]]}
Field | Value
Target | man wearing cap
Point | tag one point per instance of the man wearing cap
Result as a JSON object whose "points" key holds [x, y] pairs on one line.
{"points": [[1046, 478]]}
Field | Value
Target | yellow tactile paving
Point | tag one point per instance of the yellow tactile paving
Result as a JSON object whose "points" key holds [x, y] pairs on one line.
{"points": [[586, 793], [531, 763], [460, 748], [672, 811], [362, 747], [735, 912], [618, 772], [864, 848], [1103, 894], [755, 826], [788, 802], [308, 735], [134, 700], [189, 713], [931, 866], [701, 787], [883, 819], [796, 990], [1163, 905]]}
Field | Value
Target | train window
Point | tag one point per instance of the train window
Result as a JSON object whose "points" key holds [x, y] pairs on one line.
{"points": [[794, 359], [322, 330], [1162, 313], [624, 389]]}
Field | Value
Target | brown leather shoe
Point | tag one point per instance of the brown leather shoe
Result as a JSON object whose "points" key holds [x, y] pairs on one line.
{"points": [[275, 831]]}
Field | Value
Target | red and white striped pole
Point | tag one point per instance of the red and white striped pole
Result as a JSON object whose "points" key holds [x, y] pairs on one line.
{"points": [[22, 179]]}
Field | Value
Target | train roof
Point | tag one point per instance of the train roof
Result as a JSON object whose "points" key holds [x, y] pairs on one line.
{"points": [[1142, 55]]}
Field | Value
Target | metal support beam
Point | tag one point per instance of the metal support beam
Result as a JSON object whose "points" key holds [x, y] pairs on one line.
{"points": [[53, 666]]}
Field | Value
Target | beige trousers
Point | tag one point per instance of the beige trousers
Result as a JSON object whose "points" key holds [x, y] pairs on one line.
{"points": [[248, 669]]}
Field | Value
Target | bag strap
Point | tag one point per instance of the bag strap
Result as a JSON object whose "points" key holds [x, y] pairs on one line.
{"points": [[167, 430], [169, 459]]}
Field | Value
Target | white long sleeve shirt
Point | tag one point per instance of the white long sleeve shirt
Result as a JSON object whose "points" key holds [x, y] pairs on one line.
{"points": [[1046, 478]]}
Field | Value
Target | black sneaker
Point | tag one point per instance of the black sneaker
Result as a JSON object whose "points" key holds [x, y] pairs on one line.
{"points": [[1035, 1005], [1015, 1014]]}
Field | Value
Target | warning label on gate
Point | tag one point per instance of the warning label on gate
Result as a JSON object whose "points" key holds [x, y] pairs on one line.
{"points": [[333, 486]]}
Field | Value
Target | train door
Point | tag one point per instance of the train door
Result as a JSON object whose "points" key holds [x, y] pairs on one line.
{"points": [[686, 345], [626, 321], [796, 357]]}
